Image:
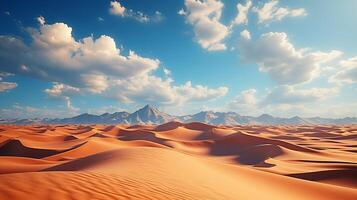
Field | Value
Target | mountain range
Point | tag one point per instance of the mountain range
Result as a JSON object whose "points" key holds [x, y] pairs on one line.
{"points": [[151, 115]]}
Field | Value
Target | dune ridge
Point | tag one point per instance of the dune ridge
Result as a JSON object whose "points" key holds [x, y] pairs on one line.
{"points": [[178, 161]]}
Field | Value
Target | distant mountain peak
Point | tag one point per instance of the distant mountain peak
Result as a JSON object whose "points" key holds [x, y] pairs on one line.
{"points": [[151, 115], [265, 116], [147, 106], [85, 115], [148, 110]]}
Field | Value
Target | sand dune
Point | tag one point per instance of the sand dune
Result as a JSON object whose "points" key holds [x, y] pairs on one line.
{"points": [[178, 161]]}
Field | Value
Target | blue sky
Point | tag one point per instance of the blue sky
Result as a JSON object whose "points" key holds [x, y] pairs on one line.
{"points": [[284, 58]]}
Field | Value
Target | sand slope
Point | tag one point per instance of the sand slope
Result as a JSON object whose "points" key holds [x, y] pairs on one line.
{"points": [[178, 161]]}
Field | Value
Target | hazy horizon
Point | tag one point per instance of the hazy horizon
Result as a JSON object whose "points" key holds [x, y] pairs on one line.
{"points": [[189, 114]]}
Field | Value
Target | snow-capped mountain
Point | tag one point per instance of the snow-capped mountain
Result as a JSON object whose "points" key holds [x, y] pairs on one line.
{"points": [[149, 115]]}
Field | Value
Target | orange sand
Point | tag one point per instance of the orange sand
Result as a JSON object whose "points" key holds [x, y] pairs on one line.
{"points": [[178, 161]]}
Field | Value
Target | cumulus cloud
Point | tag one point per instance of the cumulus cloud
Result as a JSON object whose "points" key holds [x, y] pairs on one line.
{"points": [[270, 11], [282, 100], [146, 88], [93, 65], [95, 83], [245, 34], [59, 90], [205, 16], [199, 92], [152, 89], [242, 16], [54, 55], [284, 63], [246, 102], [247, 97], [346, 73], [291, 95], [117, 9]]}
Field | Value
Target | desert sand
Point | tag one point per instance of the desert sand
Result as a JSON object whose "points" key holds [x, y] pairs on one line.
{"points": [[178, 161]]}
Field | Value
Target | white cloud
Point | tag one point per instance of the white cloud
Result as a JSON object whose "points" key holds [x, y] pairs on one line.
{"points": [[95, 83], [199, 92], [59, 90], [69, 105], [347, 72], [205, 16], [270, 11], [152, 89], [245, 34], [285, 101], [146, 88], [94, 65], [291, 95], [167, 72], [242, 16], [285, 64], [248, 97], [117, 9], [4, 86], [245, 103], [181, 12], [54, 55], [41, 20], [300, 12]]}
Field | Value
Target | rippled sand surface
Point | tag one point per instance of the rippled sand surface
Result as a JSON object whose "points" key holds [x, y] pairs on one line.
{"points": [[178, 161]]}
